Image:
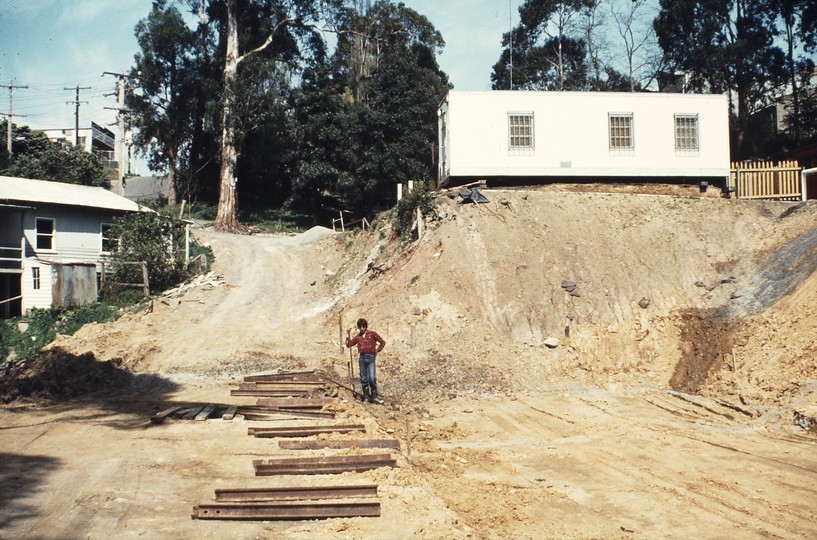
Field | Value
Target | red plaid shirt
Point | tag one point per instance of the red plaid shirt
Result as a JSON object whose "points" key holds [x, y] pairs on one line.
{"points": [[367, 342]]}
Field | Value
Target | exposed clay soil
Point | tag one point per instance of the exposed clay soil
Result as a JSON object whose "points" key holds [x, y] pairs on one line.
{"points": [[665, 409]]}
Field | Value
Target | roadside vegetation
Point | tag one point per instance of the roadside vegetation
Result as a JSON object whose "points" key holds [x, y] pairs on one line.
{"points": [[22, 337]]}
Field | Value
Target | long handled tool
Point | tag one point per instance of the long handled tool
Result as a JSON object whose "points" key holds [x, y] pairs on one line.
{"points": [[351, 373]]}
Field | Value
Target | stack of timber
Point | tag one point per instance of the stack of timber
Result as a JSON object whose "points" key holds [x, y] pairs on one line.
{"points": [[183, 412], [292, 407], [292, 503], [293, 384]]}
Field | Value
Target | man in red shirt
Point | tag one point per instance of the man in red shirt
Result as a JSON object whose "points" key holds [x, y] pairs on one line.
{"points": [[369, 343]]}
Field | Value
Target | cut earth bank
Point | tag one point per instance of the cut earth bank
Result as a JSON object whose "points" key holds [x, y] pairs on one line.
{"points": [[685, 329]]}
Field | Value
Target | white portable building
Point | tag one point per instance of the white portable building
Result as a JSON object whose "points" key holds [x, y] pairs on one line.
{"points": [[533, 136]]}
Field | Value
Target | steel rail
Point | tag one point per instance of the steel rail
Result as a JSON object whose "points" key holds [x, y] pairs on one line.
{"points": [[302, 431], [337, 444], [296, 493], [287, 511]]}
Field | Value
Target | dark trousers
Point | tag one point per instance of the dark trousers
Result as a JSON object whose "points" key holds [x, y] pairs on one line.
{"points": [[367, 374]]}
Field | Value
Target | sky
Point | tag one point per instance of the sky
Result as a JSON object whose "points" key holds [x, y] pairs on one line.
{"points": [[50, 45]]}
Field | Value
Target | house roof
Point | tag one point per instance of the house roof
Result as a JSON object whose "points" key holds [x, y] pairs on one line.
{"points": [[24, 190]]}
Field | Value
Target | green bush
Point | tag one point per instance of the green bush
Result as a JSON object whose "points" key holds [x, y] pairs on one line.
{"points": [[274, 220], [45, 324], [407, 210], [158, 240]]}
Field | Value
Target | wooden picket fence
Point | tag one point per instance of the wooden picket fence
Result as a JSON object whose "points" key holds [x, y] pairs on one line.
{"points": [[765, 180]]}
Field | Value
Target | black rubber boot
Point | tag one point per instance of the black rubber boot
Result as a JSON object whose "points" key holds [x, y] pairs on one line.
{"points": [[373, 394], [367, 394]]}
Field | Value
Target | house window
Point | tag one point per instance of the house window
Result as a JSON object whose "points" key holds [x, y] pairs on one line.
{"points": [[45, 233], [686, 133], [520, 132], [621, 132], [35, 278], [108, 243]]}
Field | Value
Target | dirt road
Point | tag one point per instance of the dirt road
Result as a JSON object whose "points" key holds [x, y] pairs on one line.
{"points": [[509, 438]]}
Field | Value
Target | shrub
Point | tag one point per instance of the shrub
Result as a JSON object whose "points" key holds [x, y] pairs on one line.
{"points": [[407, 210], [45, 324], [155, 239]]}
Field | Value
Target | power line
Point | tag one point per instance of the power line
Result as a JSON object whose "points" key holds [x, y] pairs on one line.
{"points": [[76, 103]]}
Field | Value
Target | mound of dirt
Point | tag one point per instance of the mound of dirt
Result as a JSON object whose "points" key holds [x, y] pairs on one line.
{"points": [[56, 375]]}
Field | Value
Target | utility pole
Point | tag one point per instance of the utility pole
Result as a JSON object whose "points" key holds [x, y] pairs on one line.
{"points": [[510, 43], [76, 103], [120, 121], [11, 86]]}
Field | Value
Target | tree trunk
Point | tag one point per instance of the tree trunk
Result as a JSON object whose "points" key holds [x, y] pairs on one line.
{"points": [[226, 219], [171, 182]]}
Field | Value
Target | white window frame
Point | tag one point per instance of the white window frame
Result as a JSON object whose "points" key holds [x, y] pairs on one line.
{"points": [[687, 137], [38, 234], [620, 137], [103, 228], [35, 278], [521, 133]]}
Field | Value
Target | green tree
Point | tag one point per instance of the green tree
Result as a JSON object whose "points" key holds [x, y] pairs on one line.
{"points": [[794, 16], [725, 46], [38, 158], [549, 52], [271, 27], [379, 96], [325, 115], [162, 89]]}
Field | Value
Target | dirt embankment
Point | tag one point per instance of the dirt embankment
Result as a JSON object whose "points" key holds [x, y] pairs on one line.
{"points": [[665, 288], [699, 294]]}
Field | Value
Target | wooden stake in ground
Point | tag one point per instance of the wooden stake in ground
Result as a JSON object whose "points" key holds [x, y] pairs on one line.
{"points": [[408, 441], [340, 331], [351, 372]]}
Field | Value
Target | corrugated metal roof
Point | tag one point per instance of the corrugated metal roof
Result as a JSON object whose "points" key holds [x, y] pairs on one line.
{"points": [[24, 190]]}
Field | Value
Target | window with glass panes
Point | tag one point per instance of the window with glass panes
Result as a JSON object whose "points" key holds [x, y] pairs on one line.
{"points": [[621, 131], [686, 133], [45, 233], [520, 131]]}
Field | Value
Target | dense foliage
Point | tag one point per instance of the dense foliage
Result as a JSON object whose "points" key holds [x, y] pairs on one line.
{"points": [[41, 326], [38, 158], [149, 237], [310, 131]]}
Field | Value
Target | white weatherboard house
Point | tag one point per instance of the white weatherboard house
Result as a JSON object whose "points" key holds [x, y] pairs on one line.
{"points": [[52, 237], [531, 137]]}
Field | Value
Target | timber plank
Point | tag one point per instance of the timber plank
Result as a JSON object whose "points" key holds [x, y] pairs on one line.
{"points": [[294, 403], [281, 376], [158, 418], [267, 392], [205, 413], [193, 412], [230, 413]]}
